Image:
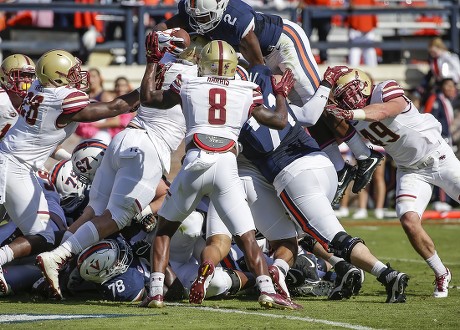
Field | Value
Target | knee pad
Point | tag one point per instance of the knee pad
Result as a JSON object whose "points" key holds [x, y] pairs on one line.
{"points": [[342, 245], [307, 243], [236, 281]]}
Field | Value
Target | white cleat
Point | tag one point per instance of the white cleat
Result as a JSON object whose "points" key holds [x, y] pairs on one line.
{"points": [[50, 264], [441, 285], [4, 287]]}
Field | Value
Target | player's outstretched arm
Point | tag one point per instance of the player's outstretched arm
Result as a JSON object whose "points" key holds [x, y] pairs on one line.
{"points": [[150, 95], [102, 110], [276, 119], [371, 112]]}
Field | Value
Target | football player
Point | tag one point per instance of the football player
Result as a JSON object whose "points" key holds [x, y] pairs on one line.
{"points": [[215, 106], [280, 44], [23, 274], [50, 112], [386, 117], [130, 174], [17, 72]]}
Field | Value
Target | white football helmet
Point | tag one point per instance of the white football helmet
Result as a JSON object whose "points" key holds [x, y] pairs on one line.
{"points": [[205, 15], [217, 59], [70, 189], [104, 260], [60, 68], [86, 159], [17, 73], [353, 89]]}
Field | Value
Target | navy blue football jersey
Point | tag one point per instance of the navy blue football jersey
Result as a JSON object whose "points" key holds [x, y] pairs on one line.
{"points": [[269, 149], [127, 286], [235, 21]]}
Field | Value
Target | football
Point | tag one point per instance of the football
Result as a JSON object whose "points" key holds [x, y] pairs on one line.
{"points": [[181, 33]]}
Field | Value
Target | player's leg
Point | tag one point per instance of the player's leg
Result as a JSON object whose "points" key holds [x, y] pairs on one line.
{"points": [[272, 221], [120, 190], [311, 209], [229, 201], [184, 195], [26, 206], [413, 193]]}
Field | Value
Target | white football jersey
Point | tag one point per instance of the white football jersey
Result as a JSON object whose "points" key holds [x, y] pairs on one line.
{"points": [[8, 114], [35, 136], [407, 138], [167, 125], [216, 106]]}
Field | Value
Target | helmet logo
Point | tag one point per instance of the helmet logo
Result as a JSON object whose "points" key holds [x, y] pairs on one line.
{"points": [[95, 265]]}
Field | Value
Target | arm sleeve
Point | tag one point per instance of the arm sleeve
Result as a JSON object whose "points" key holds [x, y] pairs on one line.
{"points": [[309, 114]]}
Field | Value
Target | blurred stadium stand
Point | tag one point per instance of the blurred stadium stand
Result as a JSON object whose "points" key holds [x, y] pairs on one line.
{"points": [[404, 29]]}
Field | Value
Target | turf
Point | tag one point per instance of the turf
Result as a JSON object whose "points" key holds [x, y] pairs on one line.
{"points": [[367, 310]]}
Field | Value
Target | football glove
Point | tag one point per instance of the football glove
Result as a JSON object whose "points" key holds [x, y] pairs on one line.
{"points": [[333, 74], [153, 52], [334, 110], [167, 41], [285, 85]]}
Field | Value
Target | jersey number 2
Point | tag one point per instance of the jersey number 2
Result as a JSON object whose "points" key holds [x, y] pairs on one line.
{"points": [[217, 114]]}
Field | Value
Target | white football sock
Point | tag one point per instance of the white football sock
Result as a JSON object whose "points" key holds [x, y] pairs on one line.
{"points": [[436, 264], [265, 284], [335, 156], [357, 146], [6, 255], [85, 236], [157, 280]]}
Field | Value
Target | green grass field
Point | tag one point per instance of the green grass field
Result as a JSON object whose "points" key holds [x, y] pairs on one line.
{"points": [[365, 311]]}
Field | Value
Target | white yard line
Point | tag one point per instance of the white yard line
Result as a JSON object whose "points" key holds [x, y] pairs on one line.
{"points": [[277, 316]]}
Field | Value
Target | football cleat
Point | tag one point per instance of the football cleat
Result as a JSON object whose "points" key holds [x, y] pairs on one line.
{"points": [[153, 302], [279, 282], [50, 263], [395, 284], [4, 287], [275, 300], [201, 283], [441, 285], [347, 283], [345, 176], [366, 168]]}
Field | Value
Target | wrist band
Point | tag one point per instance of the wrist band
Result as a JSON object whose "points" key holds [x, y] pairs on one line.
{"points": [[359, 114], [62, 154]]}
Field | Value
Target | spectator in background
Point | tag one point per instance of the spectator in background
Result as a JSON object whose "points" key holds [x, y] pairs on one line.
{"points": [[38, 18], [96, 94], [439, 104], [96, 87], [362, 30], [321, 24], [115, 124], [443, 64]]}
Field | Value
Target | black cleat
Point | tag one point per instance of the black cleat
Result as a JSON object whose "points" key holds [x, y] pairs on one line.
{"points": [[345, 176], [395, 284], [347, 283], [366, 168]]}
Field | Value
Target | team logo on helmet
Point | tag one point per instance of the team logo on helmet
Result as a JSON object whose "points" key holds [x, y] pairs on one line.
{"points": [[86, 159]]}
